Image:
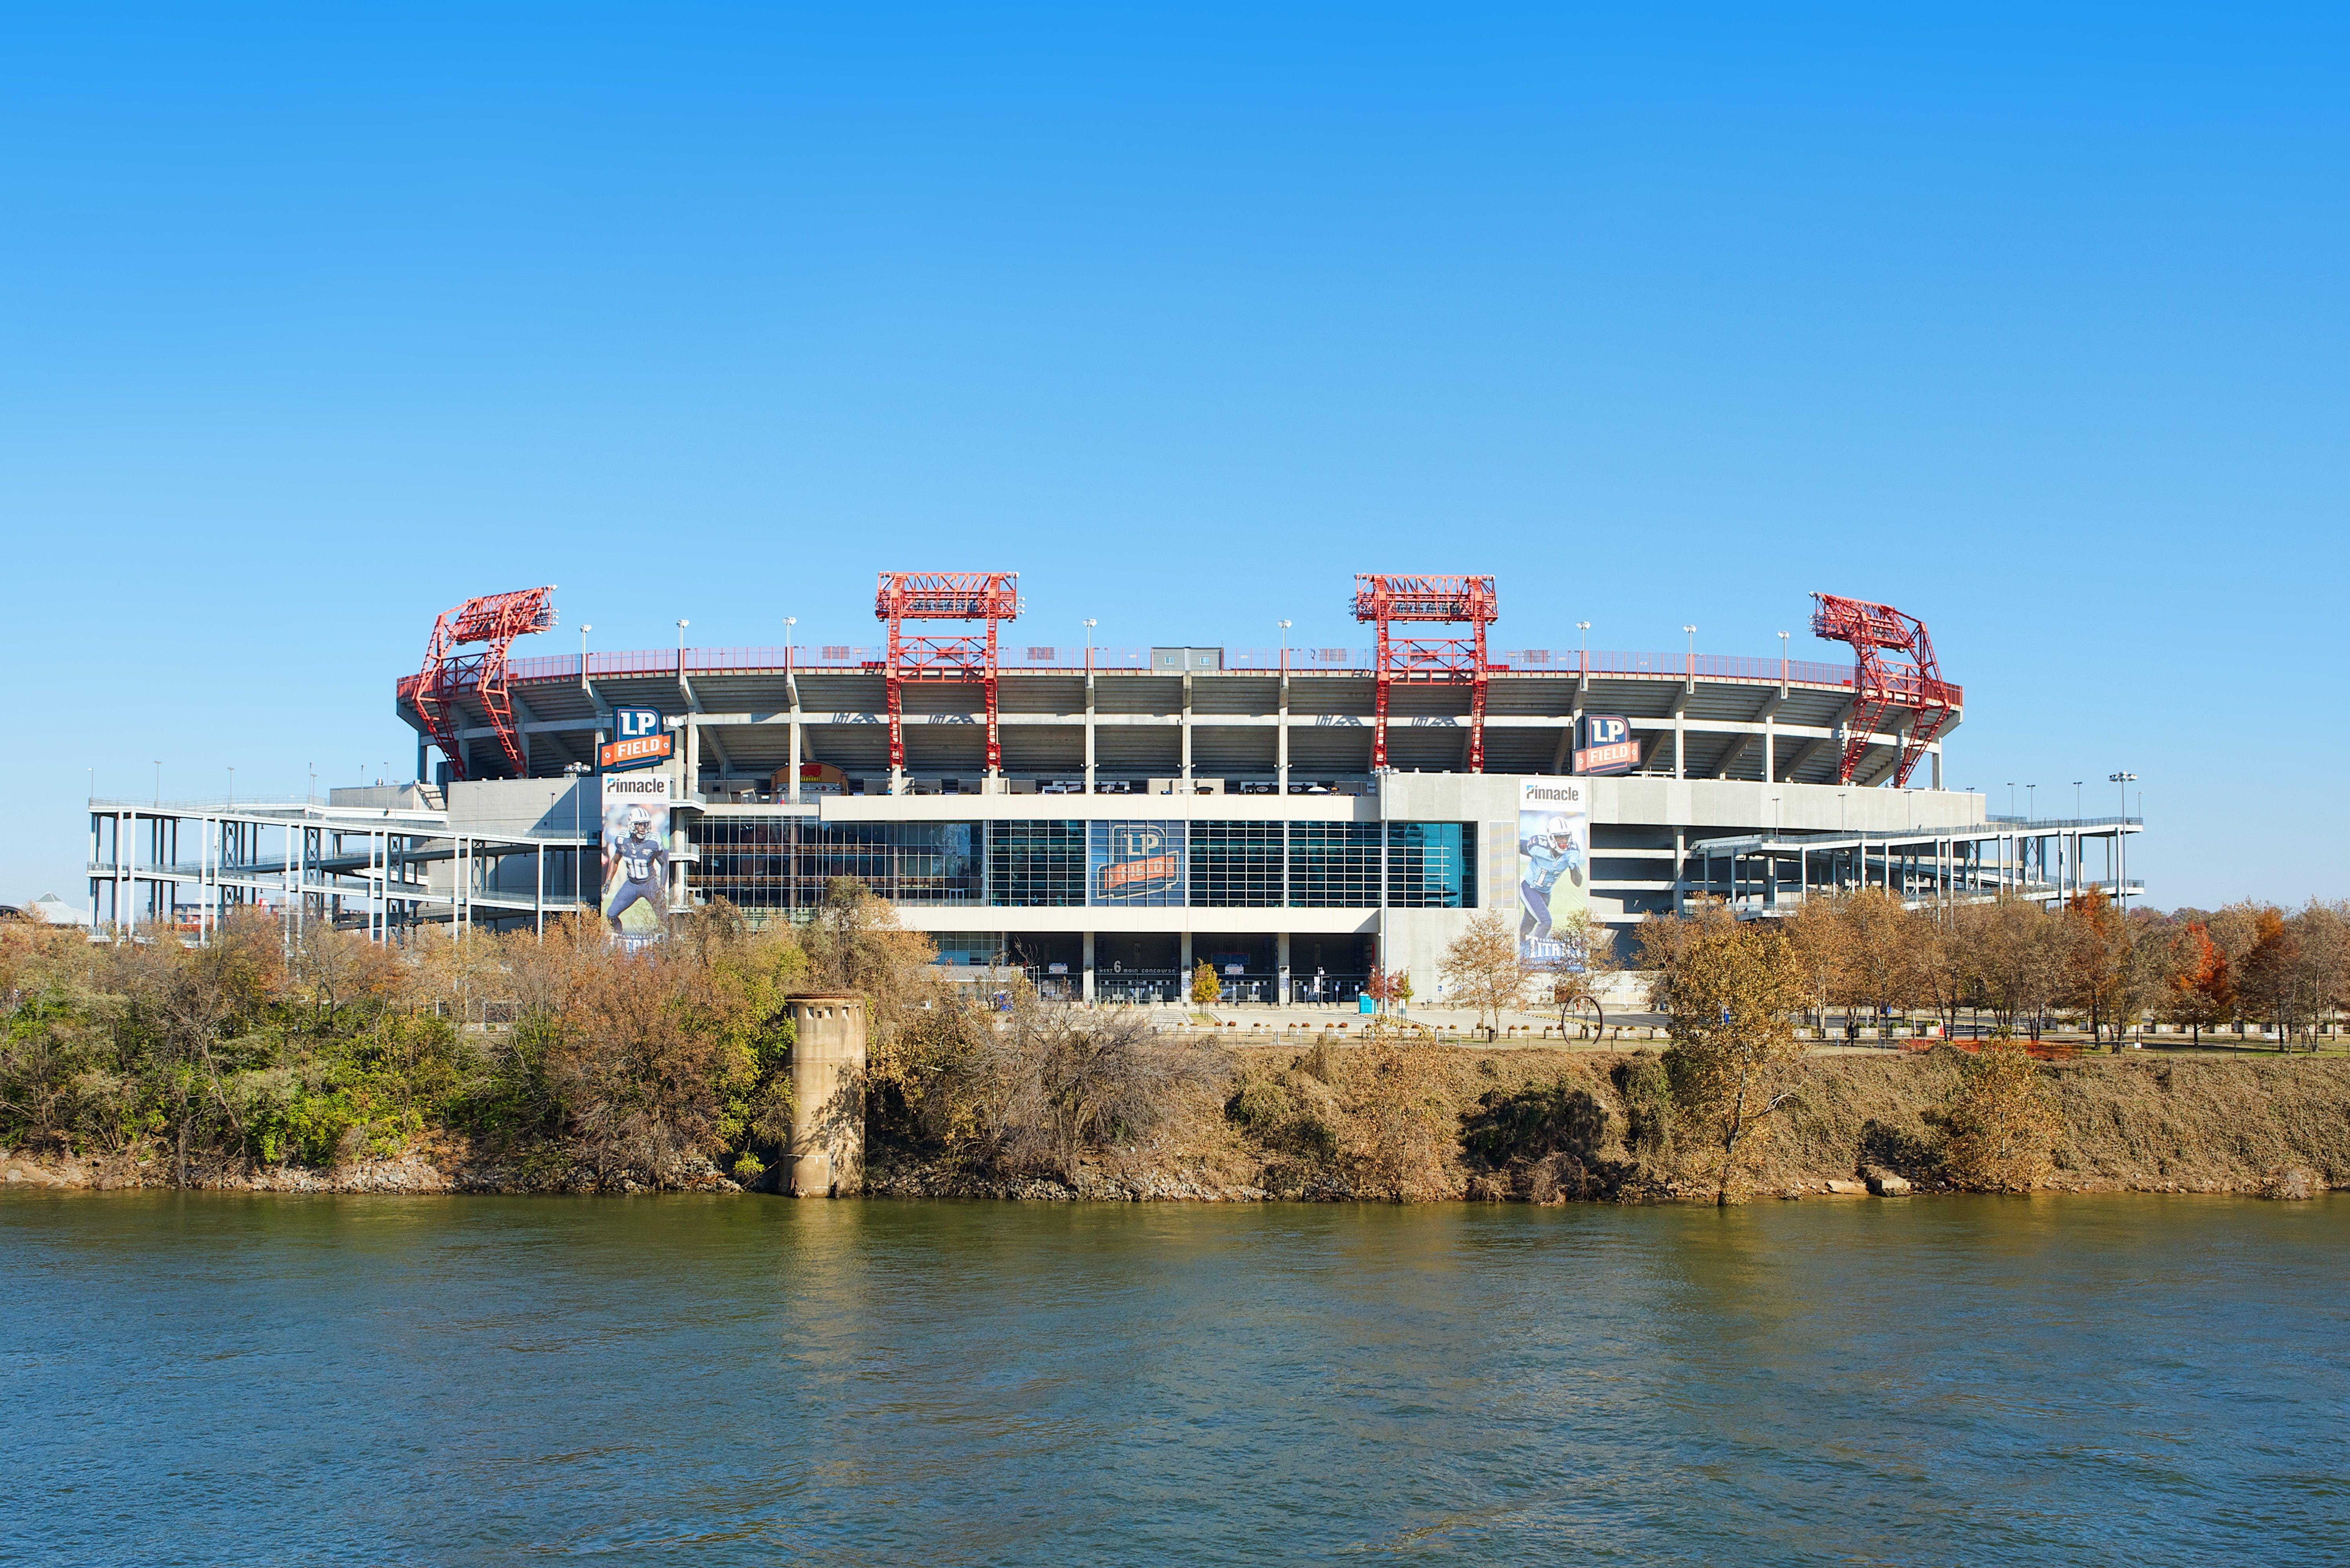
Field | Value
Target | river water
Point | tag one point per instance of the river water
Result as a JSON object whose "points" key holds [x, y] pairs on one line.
{"points": [[215, 1378]]}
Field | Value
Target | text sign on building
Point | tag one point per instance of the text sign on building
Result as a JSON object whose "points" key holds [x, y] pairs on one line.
{"points": [[1553, 842], [1606, 745], [640, 738], [634, 819]]}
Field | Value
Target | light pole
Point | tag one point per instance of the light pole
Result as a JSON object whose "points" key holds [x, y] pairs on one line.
{"points": [[1284, 648], [2077, 800], [1582, 665], [1692, 651], [314, 781], [584, 630], [2121, 781], [1089, 645], [2011, 797]]}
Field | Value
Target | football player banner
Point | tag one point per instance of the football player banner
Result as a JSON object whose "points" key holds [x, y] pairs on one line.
{"points": [[1553, 843], [635, 899]]}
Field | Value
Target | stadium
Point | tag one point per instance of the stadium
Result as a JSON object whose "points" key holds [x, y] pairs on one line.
{"points": [[1107, 818]]}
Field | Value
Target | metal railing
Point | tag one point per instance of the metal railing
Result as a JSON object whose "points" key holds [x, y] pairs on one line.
{"points": [[835, 657]]}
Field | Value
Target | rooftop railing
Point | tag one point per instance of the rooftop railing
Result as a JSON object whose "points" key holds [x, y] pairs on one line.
{"points": [[837, 657]]}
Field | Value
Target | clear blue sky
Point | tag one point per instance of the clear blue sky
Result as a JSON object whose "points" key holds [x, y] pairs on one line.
{"points": [[312, 323]]}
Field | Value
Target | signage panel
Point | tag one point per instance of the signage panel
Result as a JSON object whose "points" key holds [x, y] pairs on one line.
{"points": [[1606, 746], [638, 740], [1137, 863], [1554, 847], [634, 903]]}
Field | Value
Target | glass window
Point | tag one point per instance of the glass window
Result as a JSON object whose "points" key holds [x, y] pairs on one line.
{"points": [[1334, 865], [1035, 864], [1431, 865], [1136, 864], [1236, 864]]}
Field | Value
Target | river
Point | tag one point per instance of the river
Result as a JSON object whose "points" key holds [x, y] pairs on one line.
{"points": [[218, 1378]]}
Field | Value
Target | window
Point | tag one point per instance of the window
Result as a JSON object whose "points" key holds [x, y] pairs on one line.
{"points": [[1431, 865], [1236, 864], [1032, 865], [1334, 865], [1136, 864]]}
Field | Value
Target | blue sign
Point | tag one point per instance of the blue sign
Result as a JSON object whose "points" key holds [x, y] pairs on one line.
{"points": [[1606, 745], [635, 723]]}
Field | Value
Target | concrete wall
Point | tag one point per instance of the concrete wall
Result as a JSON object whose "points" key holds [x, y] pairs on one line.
{"points": [[827, 1152]]}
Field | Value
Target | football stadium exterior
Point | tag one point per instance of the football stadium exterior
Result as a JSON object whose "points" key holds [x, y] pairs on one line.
{"points": [[1108, 818]]}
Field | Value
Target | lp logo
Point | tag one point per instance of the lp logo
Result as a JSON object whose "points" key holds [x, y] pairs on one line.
{"points": [[1606, 732], [636, 723]]}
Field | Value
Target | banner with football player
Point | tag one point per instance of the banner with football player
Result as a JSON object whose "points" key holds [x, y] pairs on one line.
{"points": [[635, 899], [1553, 850]]}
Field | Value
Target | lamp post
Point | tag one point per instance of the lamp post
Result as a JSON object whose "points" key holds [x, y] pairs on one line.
{"points": [[584, 630], [2121, 781], [1692, 651], [1284, 648], [1089, 645], [1782, 659], [1583, 663]]}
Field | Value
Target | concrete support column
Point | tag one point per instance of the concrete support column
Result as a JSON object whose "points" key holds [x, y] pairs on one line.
{"points": [[1771, 750], [827, 1159], [1090, 731], [1187, 734], [1681, 859], [1281, 740], [792, 793], [1680, 739], [1938, 764], [1281, 968], [1186, 992], [1087, 992]]}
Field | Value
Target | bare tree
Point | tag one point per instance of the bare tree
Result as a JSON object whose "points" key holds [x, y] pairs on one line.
{"points": [[1484, 966]]}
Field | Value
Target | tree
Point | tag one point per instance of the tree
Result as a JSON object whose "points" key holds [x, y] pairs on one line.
{"points": [[1587, 951], [1816, 939], [1730, 991], [2201, 990], [1205, 987], [1388, 986], [1880, 941], [1999, 1121], [1484, 966]]}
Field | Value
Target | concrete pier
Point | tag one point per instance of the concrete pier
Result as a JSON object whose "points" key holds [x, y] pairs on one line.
{"points": [[827, 1152]]}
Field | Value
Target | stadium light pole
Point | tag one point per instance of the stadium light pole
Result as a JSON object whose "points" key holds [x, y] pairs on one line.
{"points": [[1089, 645], [1582, 665], [2122, 781], [1285, 646], [1692, 651], [584, 630], [1782, 659]]}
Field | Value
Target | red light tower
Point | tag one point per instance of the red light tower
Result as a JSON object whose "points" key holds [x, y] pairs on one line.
{"points": [[495, 619], [989, 597], [1881, 686], [1429, 660]]}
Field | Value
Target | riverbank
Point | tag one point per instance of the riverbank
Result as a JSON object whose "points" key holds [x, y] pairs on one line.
{"points": [[1541, 1125]]}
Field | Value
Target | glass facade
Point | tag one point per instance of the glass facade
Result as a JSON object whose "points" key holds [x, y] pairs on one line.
{"points": [[1334, 865], [782, 862], [1237, 866], [1036, 864], [1430, 865]]}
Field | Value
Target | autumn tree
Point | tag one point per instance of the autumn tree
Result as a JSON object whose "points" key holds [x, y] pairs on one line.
{"points": [[1999, 1121], [1586, 952], [1730, 991], [1877, 939], [1484, 967], [1205, 987], [2201, 990]]}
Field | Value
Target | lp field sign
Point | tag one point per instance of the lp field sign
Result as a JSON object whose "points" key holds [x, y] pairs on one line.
{"points": [[639, 740], [1606, 746]]}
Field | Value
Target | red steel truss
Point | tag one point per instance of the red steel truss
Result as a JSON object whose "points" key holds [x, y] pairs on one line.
{"points": [[494, 621], [1384, 598], [1880, 687], [989, 596]]}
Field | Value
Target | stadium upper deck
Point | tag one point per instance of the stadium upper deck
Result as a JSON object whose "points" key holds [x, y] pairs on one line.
{"points": [[1274, 717]]}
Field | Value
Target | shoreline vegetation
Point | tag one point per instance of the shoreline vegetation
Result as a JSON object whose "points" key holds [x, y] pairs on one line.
{"points": [[518, 1064]]}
